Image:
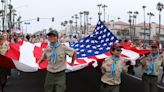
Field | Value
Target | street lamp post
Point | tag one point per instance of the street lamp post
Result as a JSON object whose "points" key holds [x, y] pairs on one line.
{"points": [[150, 14], [144, 24], [160, 6]]}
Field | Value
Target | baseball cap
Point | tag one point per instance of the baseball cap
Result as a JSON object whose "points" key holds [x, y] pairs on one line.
{"points": [[53, 32]]}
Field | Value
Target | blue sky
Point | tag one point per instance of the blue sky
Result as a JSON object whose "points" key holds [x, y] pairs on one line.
{"points": [[63, 10]]}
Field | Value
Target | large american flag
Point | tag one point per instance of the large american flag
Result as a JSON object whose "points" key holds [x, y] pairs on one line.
{"points": [[96, 46], [97, 43]]}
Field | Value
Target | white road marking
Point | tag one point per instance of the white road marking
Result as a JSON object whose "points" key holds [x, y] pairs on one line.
{"points": [[141, 80]]}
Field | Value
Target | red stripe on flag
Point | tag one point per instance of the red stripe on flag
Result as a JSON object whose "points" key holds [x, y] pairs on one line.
{"points": [[13, 52], [80, 61], [93, 57], [124, 56], [44, 45], [37, 53]]}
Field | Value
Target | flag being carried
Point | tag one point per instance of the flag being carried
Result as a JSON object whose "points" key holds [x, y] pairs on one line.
{"points": [[89, 50]]}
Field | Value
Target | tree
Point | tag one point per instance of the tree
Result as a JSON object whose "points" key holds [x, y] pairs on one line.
{"points": [[70, 22], [65, 22]]}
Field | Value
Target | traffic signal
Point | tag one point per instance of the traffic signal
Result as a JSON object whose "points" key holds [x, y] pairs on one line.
{"points": [[38, 19], [52, 19]]}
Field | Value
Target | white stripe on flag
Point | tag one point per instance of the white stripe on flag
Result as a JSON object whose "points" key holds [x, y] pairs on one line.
{"points": [[27, 61], [101, 56], [131, 55]]}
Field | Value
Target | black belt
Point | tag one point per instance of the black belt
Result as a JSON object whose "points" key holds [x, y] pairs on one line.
{"points": [[57, 72], [150, 75], [105, 85]]}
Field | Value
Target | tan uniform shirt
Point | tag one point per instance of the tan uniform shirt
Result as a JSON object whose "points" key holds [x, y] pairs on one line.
{"points": [[158, 63], [106, 67], [61, 62], [4, 48]]}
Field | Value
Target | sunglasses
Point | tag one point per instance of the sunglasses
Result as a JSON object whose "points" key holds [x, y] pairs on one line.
{"points": [[119, 50], [154, 47]]}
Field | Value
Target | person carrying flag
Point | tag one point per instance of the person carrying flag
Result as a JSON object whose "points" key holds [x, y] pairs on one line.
{"points": [[112, 68], [151, 64], [4, 47], [56, 53]]}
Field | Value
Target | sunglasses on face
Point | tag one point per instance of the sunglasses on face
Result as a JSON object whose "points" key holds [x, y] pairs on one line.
{"points": [[119, 50], [154, 47]]}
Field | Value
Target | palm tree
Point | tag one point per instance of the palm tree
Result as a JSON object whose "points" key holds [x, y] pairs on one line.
{"points": [[159, 8], [99, 13], [90, 18], [84, 12], [65, 22], [144, 22], [62, 24], [150, 14], [118, 18], [3, 19], [136, 13], [87, 14], [76, 17], [81, 20], [130, 21], [99, 5], [104, 6], [73, 22], [135, 21], [70, 22]]}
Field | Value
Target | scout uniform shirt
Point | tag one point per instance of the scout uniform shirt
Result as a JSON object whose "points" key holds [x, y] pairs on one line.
{"points": [[106, 67], [4, 48], [159, 61], [60, 63]]}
